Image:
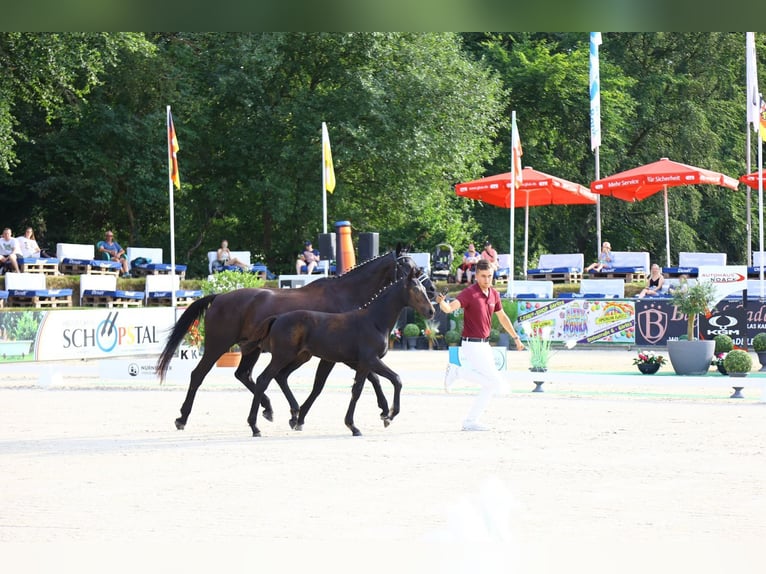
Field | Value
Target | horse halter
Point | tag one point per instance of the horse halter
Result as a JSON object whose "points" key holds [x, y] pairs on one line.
{"points": [[422, 278]]}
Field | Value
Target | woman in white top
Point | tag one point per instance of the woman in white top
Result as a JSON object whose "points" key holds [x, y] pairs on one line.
{"points": [[28, 244], [225, 258]]}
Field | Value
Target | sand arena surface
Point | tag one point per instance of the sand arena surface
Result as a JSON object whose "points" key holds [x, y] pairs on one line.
{"points": [[600, 478]]}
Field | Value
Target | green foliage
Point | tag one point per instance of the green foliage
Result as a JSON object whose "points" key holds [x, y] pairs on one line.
{"points": [[699, 298], [759, 343], [26, 326], [411, 330], [229, 281], [738, 361], [494, 335], [452, 337], [723, 344]]}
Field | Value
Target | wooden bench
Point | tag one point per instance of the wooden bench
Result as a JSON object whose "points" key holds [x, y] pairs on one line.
{"points": [[628, 265], [101, 291], [689, 263], [39, 265], [296, 281], [30, 290], [558, 267], [532, 289], [159, 291], [79, 259], [154, 264]]}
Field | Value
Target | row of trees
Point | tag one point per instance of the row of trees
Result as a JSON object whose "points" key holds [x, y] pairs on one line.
{"points": [[83, 140]]}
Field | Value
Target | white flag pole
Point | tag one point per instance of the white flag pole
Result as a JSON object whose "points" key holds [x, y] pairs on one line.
{"points": [[595, 123], [172, 218], [324, 184], [512, 208]]}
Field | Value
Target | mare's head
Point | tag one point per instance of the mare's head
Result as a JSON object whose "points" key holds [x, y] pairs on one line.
{"points": [[406, 264], [417, 298]]}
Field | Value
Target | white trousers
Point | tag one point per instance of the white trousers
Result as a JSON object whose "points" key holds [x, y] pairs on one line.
{"points": [[477, 364]]}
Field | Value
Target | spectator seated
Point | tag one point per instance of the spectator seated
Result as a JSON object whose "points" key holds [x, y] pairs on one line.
{"points": [[532, 289], [689, 262], [558, 267], [318, 270], [101, 291], [422, 260], [503, 268], [159, 291], [628, 265], [30, 290], [599, 288], [148, 261], [79, 259], [243, 256]]}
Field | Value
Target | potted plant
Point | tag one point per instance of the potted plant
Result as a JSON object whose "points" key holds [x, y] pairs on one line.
{"points": [[690, 356], [723, 344], [738, 363], [648, 363], [431, 333], [410, 334], [539, 345], [452, 338], [759, 346]]}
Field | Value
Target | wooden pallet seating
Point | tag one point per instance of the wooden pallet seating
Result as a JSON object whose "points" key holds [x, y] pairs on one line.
{"points": [[153, 264], [558, 267], [30, 290], [101, 291], [159, 291], [39, 265], [79, 259], [257, 268], [628, 265], [689, 263]]}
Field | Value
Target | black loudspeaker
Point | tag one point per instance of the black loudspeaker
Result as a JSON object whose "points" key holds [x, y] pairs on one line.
{"points": [[368, 246], [327, 246]]}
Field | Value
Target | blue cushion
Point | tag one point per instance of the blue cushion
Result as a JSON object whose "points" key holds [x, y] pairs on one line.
{"points": [[40, 292], [129, 294], [553, 270], [681, 270]]}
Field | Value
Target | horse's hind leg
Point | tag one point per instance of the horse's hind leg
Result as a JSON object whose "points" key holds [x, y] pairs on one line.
{"points": [[244, 374], [356, 391], [197, 376], [382, 401], [320, 378]]}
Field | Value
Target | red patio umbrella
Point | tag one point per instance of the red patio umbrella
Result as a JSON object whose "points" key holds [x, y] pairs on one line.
{"points": [[751, 179], [639, 183], [537, 188]]}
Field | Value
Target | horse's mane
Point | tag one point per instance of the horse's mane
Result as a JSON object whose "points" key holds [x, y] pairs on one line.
{"points": [[381, 291]]}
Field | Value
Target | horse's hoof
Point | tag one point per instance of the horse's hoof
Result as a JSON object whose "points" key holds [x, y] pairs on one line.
{"points": [[180, 425], [356, 432], [268, 415], [386, 422], [293, 424], [298, 427]]}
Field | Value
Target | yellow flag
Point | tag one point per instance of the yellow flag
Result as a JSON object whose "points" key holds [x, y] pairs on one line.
{"points": [[762, 125], [329, 172], [172, 152]]}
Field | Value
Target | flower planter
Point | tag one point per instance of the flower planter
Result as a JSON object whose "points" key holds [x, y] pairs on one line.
{"points": [[230, 359], [412, 343], [762, 360], [648, 368], [538, 384], [691, 357]]}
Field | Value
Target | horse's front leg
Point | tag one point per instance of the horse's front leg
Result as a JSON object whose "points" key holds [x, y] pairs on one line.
{"points": [[261, 384], [320, 378], [244, 374], [382, 401], [356, 391]]}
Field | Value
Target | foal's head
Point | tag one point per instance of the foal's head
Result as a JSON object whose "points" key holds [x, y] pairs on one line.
{"points": [[417, 298], [405, 264]]}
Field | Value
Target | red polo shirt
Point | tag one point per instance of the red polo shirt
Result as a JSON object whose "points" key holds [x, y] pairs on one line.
{"points": [[478, 309]]}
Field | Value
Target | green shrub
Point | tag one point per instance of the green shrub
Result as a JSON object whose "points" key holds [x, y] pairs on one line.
{"points": [[723, 344], [452, 337], [759, 343], [738, 361], [410, 330], [494, 335]]}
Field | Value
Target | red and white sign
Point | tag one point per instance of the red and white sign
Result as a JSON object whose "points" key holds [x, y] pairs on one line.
{"points": [[726, 278]]}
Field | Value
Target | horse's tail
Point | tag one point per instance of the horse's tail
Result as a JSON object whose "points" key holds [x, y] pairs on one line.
{"points": [[192, 313]]}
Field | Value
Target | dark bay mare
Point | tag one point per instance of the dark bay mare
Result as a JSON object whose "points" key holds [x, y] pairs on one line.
{"points": [[357, 338], [231, 318]]}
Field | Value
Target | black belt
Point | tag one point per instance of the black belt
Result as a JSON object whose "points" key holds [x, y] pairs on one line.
{"points": [[475, 339]]}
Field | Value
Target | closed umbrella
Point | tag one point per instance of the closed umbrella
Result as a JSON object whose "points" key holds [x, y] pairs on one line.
{"points": [[639, 183]]}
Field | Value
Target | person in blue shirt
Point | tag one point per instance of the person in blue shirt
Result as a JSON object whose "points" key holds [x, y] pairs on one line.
{"points": [[110, 250]]}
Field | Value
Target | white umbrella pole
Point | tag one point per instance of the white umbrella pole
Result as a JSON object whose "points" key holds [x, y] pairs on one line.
{"points": [[667, 226], [760, 209], [526, 235]]}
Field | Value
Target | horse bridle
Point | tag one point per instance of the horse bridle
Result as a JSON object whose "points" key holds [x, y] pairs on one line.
{"points": [[422, 278]]}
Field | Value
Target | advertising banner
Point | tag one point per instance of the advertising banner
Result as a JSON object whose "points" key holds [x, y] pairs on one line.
{"points": [[83, 334], [727, 279], [581, 320]]}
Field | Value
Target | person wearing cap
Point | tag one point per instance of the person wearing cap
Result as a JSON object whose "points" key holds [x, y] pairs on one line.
{"points": [[490, 255], [309, 259], [224, 258], [110, 250], [479, 302]]}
